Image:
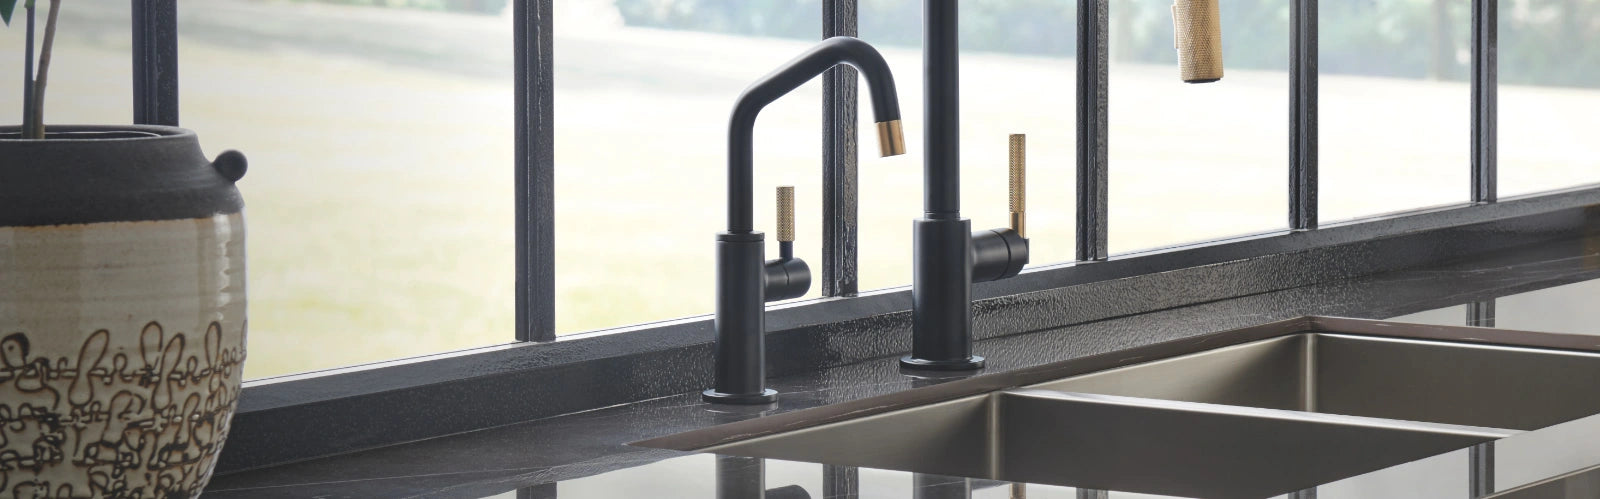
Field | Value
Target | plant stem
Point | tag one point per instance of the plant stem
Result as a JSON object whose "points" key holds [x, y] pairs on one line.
{"points": [[27, 79], [44, 68]]}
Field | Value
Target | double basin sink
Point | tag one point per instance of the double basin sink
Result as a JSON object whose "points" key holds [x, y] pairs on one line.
{"points": [[1255, 418]]}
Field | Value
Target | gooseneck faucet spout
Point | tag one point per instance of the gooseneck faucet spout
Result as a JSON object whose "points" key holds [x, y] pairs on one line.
{"points": [[745, 279], [825, 55]]}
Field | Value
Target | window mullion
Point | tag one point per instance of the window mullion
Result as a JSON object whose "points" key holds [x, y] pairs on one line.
{"points": [[840, 182], [1303, 115], [155, 62], [1092, 135], [535, 170], [1485, 19]]}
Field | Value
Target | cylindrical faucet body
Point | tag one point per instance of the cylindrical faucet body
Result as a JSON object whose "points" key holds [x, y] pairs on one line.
{"points": [[740, 375], [941, 296]]}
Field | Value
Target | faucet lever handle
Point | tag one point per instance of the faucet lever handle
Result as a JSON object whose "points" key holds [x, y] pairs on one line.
{"points": [[1019, 184], [786, 214], [786, 277]]}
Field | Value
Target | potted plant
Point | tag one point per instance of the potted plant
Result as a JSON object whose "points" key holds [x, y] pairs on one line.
{"points": [[122, 302]]}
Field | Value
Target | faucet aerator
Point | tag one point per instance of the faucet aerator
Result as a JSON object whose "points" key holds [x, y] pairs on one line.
{"points": [[891, 139]]}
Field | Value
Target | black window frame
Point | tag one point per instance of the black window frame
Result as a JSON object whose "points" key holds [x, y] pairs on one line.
{"points": [[155, 88], [333, 392]]}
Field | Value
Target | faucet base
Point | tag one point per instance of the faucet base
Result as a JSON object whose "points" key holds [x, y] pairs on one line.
{"points": [[968, 364], [767, 396]]}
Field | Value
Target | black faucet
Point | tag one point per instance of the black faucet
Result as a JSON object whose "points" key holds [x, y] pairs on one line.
{"points": [[745, 279], [947, 257]]}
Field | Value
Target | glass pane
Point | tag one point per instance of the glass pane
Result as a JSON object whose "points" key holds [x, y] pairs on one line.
{"points": [[379, 196], [1561, 309], [787, 476], [1549, 94], [1016, 77], [1394, 106], [1191, 162], [91, 73], [1447, 316], [643, 90]]}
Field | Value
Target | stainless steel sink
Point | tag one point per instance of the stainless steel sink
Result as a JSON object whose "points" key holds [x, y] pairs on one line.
{"points": [[1272, 412], [1442, 382], [1119, 443]]}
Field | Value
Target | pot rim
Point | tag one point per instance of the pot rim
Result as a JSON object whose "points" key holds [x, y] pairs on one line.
{"points": [[156, 132]]}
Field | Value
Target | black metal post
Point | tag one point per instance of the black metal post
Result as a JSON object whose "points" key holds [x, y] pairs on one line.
{"points": [[840, 182], [1093, 138], [1303, 114], [1485, 74], [1481, 469], [540, 491], [841, 482], [535, 175], [1481, 313], [155, 62], [741, 477]]}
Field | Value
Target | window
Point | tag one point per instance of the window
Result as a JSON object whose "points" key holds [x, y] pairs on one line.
{"points": [[1395, 104], [381, 201], [1191, 162], [1549, 94], [642, 96], [90, 44]]}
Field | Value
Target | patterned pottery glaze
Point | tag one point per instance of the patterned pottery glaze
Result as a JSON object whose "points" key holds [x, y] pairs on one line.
{"points": [[122, 312]]}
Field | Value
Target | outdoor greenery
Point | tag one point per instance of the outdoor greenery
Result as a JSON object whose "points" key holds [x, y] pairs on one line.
{"points": [[1395, 38]]}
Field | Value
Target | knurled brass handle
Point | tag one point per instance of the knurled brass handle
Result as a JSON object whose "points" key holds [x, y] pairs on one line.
{"points": [[786, 213], [1019, 184]]}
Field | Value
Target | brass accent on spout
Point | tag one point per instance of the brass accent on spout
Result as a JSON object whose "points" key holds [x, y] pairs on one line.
{"points": [[786, 213], [1019, 184], [891, 140]]}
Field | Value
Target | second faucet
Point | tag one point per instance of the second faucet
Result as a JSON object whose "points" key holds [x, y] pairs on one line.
{"points": [[947, 257]]}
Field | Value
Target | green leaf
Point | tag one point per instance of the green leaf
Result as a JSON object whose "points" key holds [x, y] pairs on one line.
{"points": [[6, 6]]}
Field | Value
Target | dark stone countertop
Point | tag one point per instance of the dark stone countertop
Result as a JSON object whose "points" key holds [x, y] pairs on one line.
{"points": [[585, 455]]}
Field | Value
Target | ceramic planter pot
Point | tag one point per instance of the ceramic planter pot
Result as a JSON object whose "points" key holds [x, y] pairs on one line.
{"points": [[122, 311]]}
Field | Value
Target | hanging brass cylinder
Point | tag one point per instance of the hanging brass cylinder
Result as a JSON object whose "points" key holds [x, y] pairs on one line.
{"points": [[1197, 35]]}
